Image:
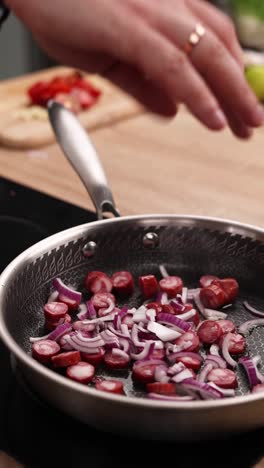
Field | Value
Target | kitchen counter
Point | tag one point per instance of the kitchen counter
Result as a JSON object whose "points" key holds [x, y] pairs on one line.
{"points": [[156, 166]]}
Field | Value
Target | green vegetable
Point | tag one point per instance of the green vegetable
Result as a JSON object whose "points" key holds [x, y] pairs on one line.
{"points": [[255, 78], [249, 7]]}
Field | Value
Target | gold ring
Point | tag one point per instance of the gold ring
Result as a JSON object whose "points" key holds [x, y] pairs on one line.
{"points": [[194, 38]]}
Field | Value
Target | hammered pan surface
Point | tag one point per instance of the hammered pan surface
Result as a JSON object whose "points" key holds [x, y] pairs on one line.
{"points": [[185, 251]]}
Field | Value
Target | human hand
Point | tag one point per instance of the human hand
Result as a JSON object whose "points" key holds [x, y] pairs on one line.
{"points": [[138, 44]]}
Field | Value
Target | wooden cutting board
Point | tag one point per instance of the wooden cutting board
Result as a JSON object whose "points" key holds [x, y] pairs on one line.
{"points": [[113, 106]]}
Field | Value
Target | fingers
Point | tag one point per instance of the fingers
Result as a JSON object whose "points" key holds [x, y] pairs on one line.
{"points": [[152, 97], [169, 70], [216, 68], [227, 81], [222, 26]]}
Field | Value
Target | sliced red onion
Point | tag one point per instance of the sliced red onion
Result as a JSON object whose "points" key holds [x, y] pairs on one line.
{"points": [[162, 332], [118, 333], [187, 315], [55, 335], [144, 334], [65, 344], [91, 312], [225, 350], [163, 271], [192, 292], [202, 376], [140, 315], [151, 315], [206, 391], [160, 374], [247, 326], [33, 339], [146, 353], [83, 314], [177, 306], [214, 349], [106, 318], [256, 360], [53, 297], [170, 348], [66, 291], [174, 356], [184, 295], [181, 376], [217, 360], [198, 302], [211, 314], [111, 306], [125, 344], [85, 345], [124, 329], [173, 321], [164, 298], [251, 370], [120, 352], [134, 337], [226, 392], [117, 322], [110, 339], [176, 368], [253, 310], [180, 398], [59, 331]]}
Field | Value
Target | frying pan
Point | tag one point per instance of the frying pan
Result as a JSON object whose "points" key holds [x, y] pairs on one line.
{"points": [[188, 246]]}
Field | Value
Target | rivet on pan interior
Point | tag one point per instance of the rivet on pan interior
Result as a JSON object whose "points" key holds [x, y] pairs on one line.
{"points": [[89, 249], [151, 240]]}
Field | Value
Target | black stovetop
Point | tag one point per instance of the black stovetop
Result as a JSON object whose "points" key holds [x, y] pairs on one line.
{"points": [[39, 436]]}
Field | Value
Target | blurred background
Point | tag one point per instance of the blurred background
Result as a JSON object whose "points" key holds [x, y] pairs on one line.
{"points": [[20, 54]]}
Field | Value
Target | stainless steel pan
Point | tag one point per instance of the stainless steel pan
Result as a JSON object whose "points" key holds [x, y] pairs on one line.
{"points": [[189, 246]]}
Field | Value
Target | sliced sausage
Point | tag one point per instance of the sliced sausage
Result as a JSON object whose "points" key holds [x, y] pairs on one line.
{"points": [[97, 281], [111, 386], [102, 300], [123, 283], [224, 378], [231, 288], [80, 326], [157, 354], [206, 280], [44, 350], [156, 306], [71, 303], [161, 388], [227, 326], [189, 341], [66, 359], [171, 285], [209, 332], [149, 286], [54, 311], [82, 372], [144, 374], [213, 296], [50, 325], [191, 362], [115, 361], [237, 344], [94, 359], [168, 309]]}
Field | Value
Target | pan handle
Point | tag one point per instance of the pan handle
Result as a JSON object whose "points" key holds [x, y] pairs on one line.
{"points": [[82, 155]]}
